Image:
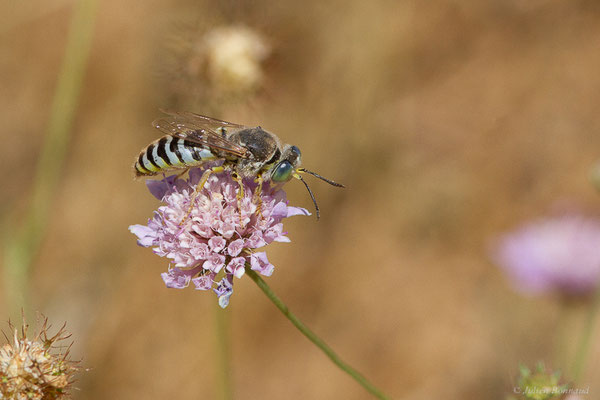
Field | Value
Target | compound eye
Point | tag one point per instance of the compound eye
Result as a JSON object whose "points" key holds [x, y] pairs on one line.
{"points": [[296, 150], [293, 155], [283, 172]]}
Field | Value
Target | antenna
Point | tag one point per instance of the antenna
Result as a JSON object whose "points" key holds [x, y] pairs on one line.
{"points": [[320, 177], [312, 196]]}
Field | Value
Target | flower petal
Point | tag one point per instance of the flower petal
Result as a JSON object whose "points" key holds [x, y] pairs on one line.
{"points": [[236, 266], [224, 291], [260, 263], [293, 211], [255, 240], [146, 235], [214, 263], [217, 243], [204, 282], [235, 247], [176, 278], [280, 210], [160, 188]]}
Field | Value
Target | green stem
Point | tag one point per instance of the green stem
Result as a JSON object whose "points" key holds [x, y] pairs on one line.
{"points": [[224, 356], [586, 336], [564, 325], [314, 338], [26, 241]]}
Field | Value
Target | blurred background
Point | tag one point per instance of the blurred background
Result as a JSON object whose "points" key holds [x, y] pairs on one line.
{"points": [[450, 122]]}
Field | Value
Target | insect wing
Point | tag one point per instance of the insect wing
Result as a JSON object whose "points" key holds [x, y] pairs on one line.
{"points": [[201, 120], [200, 130]]}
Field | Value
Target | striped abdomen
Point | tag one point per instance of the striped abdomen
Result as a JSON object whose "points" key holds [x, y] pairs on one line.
{"points": [[170, 153]]}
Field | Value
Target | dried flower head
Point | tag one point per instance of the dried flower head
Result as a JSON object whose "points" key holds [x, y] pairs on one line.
{"points": [[214, 67], [234, 55], [561, 253], [220, 236], [37, 368]]}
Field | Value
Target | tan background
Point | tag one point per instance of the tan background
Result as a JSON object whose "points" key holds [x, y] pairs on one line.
{"points": [[449, 121]]}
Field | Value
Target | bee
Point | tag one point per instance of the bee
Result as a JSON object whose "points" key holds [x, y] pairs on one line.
{"points": [[247, 152]]}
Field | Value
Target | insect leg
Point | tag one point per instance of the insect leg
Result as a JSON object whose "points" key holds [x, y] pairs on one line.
{"points": [[199, 187], [181, 174], [256, 198], [238, 179], [240, 193]]}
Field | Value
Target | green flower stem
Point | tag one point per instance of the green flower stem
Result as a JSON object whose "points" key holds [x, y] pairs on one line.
{"points": [[24, 244], [224, 356], [583, 348], [313, 337], [563, 335]]}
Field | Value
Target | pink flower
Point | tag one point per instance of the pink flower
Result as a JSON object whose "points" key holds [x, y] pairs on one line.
{"points": [[219, 237], [561, 253]]}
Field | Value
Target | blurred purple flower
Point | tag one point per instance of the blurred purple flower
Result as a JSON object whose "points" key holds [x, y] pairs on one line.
{"points": [[560, 253], [218, 238]]}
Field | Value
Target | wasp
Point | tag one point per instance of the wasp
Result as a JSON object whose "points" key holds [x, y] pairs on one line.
{"points": [[247, 152]]}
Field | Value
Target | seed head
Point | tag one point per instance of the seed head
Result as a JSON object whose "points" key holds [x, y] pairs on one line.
{"points": [[540, 384], [37, 368], [234, 55]]}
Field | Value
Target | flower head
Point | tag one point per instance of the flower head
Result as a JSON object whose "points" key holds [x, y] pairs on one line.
{"points": [[35, 368], [220, 236], [561, 253], [234, 55], [540, 384]]}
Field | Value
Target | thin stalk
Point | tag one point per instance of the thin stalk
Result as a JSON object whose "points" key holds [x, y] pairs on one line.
{"points": [[563, 335], [354, 374], [25, 243], [224, 356], [583, 349]]}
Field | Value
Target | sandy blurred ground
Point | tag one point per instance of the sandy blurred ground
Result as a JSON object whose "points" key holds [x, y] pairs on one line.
{"points": [[449, 122]]}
